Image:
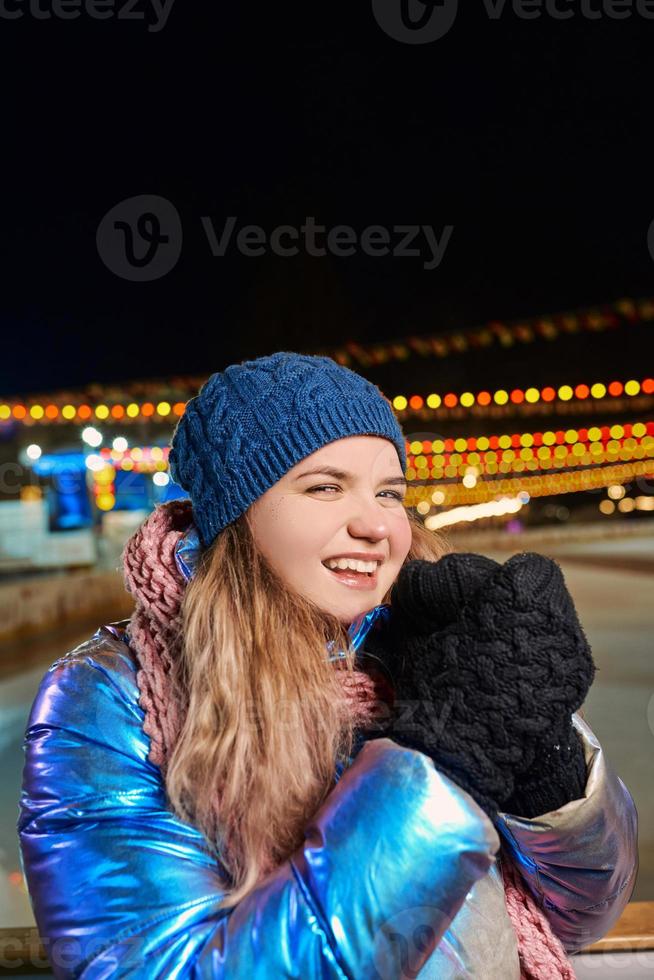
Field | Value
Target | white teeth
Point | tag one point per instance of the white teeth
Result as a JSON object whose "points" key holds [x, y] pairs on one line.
{"points": [[353, 563]]}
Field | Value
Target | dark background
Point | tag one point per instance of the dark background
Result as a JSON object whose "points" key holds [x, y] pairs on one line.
{"points": [[530, 137]]}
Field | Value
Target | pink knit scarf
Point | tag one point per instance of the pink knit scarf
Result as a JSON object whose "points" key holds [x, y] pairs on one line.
{"points": [[157, 585]]}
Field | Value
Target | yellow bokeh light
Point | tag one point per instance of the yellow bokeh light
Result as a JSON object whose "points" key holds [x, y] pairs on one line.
{"points": [[415, 447], [105, 476], [101, 411], [631, 388], [504, 442], [532, 395], [163, 408], [460, 445], [467, 399], [598, 390], [565, 393], [438, 446], [132, 410], [399, 402], [501, 397], [616, 432], [434, 401], [37, 411], [5, 411]]}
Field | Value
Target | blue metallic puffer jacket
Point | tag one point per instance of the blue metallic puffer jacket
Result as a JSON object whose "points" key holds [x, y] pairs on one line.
{"points": [[398, 874]]}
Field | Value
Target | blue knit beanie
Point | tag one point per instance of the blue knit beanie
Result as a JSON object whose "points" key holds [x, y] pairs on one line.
{"points": [[252, 422]]}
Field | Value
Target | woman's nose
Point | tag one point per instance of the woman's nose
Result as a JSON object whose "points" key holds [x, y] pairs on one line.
{"points": [[367, 520]]}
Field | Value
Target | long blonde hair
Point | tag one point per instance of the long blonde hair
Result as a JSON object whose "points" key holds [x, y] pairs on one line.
{"points": [[252, 653]]}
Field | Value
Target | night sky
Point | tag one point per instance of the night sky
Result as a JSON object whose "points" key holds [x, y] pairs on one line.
{"points": [[530, 138]]}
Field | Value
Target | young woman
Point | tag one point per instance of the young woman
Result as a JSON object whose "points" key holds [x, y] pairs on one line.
{"points": [[323, 745]]}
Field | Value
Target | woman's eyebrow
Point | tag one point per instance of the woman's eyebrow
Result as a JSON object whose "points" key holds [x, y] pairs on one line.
{"points": [[342, 475]]}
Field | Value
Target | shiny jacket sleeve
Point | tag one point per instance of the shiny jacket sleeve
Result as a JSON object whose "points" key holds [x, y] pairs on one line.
{"points": [[121, 887], [580, 861]]}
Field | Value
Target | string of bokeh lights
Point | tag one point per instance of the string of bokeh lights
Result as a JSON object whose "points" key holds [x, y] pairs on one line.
{"points": [[621, 313], [162, 411]]}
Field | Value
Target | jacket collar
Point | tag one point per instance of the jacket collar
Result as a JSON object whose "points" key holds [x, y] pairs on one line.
{"points": [[360, 627]]}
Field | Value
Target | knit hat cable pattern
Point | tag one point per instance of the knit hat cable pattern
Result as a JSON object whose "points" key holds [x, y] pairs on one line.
{"points": [[155, 581]]}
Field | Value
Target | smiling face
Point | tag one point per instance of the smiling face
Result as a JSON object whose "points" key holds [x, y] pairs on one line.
{"points": [[306, 519]]}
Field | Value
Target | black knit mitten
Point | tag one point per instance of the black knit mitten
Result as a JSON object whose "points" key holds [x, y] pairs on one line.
{"points": [[489, 662], [558, 775]]}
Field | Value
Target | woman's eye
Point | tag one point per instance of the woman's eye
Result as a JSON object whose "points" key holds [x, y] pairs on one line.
{"points": [[393, 493]]}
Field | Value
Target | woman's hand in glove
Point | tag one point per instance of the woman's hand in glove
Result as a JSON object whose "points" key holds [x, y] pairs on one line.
{"points": [[489, 662]]}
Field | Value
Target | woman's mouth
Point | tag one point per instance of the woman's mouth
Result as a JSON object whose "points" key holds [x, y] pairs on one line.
{"points": [[364, 581]]}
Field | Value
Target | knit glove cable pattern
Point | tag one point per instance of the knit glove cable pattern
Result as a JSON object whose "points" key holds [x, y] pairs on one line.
{"points": [[489, 662]]}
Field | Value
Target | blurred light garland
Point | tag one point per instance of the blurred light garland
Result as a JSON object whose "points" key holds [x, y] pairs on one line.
{"points": [[590, 478], [549, 437], [597, 319], [447, 458], [53, 413], [139, 459], [557, 400]]}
